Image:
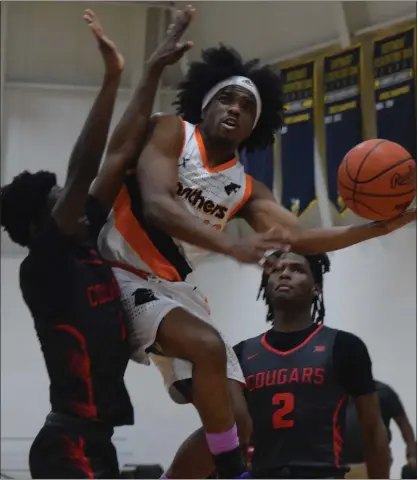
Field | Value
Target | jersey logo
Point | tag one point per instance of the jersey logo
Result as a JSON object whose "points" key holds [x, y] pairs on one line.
{"points": [[319, 348], [232, 188], [143, 295], [250, 357], [184, 160]]}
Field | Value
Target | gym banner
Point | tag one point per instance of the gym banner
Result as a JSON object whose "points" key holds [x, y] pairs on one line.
{"points": [[394, 89], [342, 111], [297, 138], [260, 164]]}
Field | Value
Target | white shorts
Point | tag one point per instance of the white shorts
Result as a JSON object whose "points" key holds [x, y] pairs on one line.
{"points": [[146, 302]]}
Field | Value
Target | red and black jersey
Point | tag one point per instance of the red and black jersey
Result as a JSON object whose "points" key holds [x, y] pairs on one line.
{"points": [[75, 303], [297, 404]]}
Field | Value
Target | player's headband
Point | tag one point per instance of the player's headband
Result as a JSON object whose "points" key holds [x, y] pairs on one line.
{"points": [[237, 81]]}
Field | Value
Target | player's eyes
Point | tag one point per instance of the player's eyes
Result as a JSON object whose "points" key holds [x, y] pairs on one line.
{"points": [[248, 106], [224, 98]]}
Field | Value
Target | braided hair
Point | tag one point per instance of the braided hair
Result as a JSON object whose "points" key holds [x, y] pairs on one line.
{"points": [[220, 63], [319, 265]]}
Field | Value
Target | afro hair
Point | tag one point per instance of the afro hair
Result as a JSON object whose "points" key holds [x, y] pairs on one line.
{"points": [[23, 202], [218, 64]]}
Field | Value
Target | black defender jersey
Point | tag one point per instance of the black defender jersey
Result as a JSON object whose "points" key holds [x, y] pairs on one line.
{"points": [[75, 303], [297, 404]]}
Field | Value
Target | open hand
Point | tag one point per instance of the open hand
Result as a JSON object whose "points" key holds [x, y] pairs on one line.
{"points": [[401, 220], [172, 49], [252, 249], [114, 61]]}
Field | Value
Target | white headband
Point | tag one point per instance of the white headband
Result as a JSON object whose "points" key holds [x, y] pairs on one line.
{"points": [[237, 81]]}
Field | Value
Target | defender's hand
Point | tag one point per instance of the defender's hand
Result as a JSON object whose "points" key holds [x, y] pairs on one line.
{"points": [[114, 61], [172, 49]]}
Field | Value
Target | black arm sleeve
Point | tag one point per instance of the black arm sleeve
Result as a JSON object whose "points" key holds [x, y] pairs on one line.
{"points": [[353, 364], [392, 402]]}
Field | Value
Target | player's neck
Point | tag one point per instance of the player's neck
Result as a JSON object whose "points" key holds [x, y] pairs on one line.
{"points": [[217, 153], [291, 321]]}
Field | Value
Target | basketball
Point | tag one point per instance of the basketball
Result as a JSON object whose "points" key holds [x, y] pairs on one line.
{"points": [[377, 179]]}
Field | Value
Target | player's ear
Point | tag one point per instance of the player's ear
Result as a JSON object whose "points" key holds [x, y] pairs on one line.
{"points": [[316, 290]]}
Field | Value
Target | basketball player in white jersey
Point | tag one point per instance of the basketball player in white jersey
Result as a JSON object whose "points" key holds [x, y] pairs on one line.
{"points": [[172, 210]]}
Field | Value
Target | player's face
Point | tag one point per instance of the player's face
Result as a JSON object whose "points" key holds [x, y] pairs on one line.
{"points": [[230, 115], [291, 281]]}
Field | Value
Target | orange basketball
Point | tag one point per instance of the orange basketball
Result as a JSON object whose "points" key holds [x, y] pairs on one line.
{"points": [[377, 179]]}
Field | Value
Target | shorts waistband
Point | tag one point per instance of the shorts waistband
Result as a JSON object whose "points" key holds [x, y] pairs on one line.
{"points": [[79, 425]]}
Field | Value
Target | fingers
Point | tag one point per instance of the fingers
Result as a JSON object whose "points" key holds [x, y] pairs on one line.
{"points": [[405, 217], [275, 239], [184, 47], [181, 22], [90, 17], [93, 22], [408, 216]]}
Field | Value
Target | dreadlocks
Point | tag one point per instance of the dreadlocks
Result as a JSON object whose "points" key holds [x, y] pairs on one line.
{"points": [[22, 203], [218, 64], [319, 265]]}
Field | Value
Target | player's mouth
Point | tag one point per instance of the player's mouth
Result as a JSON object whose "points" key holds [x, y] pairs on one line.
{"points": [[284, 287], [230, 123]]}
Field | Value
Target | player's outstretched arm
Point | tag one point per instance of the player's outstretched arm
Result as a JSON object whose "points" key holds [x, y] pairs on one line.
{"points": [[262, 212], [157, 175], [128, 138], [88, 150]]}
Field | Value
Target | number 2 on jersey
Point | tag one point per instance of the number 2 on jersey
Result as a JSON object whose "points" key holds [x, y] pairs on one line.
{"points": [[286, 405]]}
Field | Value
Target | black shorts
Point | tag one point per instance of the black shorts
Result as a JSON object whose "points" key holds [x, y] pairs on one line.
{"points": [[69, 448]]}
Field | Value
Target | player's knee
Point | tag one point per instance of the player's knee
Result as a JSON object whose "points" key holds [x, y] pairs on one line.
{"points": [[210, 349]]}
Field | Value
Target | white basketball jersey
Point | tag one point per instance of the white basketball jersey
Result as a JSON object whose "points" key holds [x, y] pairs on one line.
{"points": [[212, 195]]}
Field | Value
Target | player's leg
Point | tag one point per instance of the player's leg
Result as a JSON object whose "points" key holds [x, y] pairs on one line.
{"points": [[184, 336], [56, 453], [193, 458]]}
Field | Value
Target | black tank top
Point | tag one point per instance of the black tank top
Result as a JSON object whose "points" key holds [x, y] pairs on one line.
{"points": [[297, 405]]}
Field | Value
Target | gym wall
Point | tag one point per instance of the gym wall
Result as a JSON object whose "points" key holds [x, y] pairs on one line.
{"points": [[51, 74]]}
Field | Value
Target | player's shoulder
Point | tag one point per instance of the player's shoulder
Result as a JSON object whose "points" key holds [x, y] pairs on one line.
{"points": [[384, 389], [349, 342], [348, 336], [166, 129], [166, 120]]}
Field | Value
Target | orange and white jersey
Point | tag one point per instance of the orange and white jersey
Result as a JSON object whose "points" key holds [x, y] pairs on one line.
{"points": [[212, 195]]}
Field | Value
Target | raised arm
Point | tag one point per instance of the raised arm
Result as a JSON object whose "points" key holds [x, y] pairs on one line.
{"points": [[88, 150], [128, 138], [157, 175], [262, 212]]}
